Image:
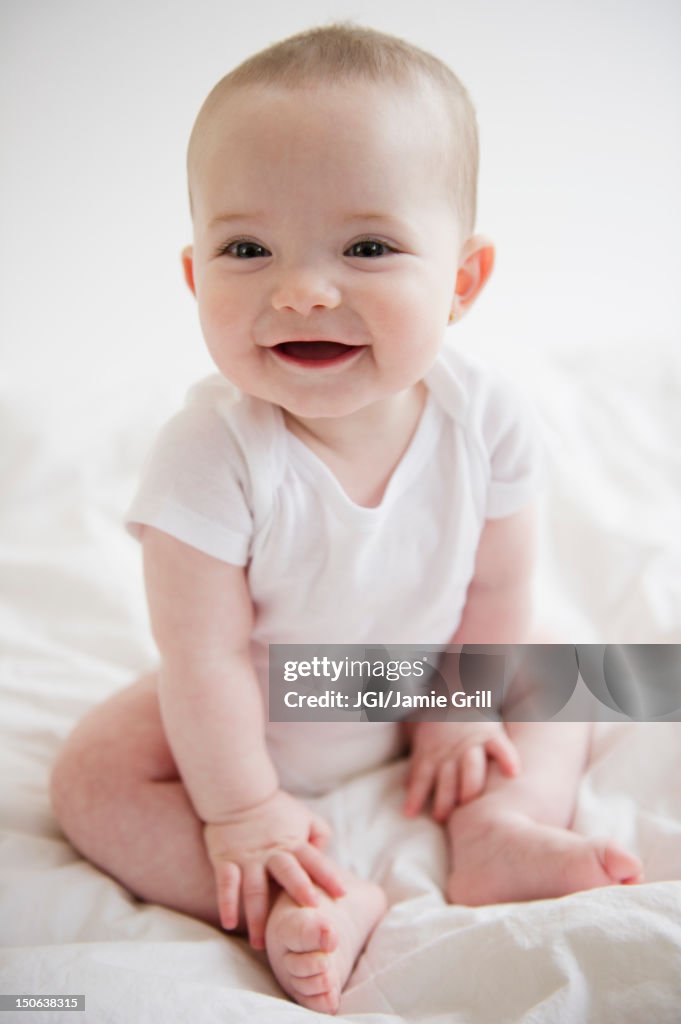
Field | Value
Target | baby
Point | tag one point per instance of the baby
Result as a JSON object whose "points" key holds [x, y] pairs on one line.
{"points": [[346, 478]]}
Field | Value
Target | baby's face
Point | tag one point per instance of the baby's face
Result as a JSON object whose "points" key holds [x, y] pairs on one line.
{"points": [[323, 215]]}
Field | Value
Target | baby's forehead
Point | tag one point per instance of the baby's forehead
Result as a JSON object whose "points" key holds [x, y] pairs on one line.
{"points": [[340, 112], [251, 106]]}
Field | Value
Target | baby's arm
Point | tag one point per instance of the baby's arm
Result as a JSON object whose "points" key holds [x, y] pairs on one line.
{"points": [[498, 607], [449, 759], [202, 616]]}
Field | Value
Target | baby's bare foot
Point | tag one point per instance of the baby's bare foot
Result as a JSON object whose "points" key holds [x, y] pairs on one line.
{"points": [[513, 858], [312, 950]]}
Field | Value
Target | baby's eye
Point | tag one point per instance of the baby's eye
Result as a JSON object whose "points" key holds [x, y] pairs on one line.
{"points": [[369, 248], [242, 249]]}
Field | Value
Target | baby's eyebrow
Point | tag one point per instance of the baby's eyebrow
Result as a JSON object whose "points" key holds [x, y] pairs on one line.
{"points": [[363, 216], [370, 215], [225, 218]]}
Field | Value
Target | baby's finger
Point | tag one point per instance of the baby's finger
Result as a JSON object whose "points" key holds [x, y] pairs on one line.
{"points": [[419, 785], [286, 869], [504, 752], [227, 879], [320, 833], [445, 791], [472, 773], [321, 870], [255, 889]]}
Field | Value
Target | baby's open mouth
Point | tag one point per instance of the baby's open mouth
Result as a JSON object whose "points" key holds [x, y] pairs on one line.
{"points": [[313, 349], [316, 353]]}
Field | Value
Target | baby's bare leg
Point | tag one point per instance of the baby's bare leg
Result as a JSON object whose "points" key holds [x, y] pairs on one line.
{"points": [[118, 798], [513, 842]]}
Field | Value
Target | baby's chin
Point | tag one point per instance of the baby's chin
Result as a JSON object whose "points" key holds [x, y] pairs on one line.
{"points": [[356, 400], [312, 396], [319, 408], [328, 400]]}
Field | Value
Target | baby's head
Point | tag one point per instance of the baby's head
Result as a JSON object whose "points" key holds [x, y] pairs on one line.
{"points": [[332, 182], [353, 56]]}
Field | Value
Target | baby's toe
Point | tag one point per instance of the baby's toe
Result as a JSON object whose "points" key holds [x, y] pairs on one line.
{"points": [[328, 1002], [309, 930], [305, 965], [620, 865], [317, 985]]}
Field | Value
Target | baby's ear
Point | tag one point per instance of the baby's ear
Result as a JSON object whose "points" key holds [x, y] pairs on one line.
{"points": [[188, 267], [475, 267]]}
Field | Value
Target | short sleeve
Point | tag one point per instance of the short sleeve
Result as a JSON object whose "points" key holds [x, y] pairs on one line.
{"points": [[511, 436], [194, 486]]}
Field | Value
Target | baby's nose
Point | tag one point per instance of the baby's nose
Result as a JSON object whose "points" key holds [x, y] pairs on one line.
{"points": [[303, 289]]}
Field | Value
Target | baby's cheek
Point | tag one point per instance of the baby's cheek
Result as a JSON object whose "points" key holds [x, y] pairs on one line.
{"points": [[222, 315]]}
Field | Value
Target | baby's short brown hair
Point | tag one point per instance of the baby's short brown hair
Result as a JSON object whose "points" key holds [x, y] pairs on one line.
{"points": [[347, 52]]}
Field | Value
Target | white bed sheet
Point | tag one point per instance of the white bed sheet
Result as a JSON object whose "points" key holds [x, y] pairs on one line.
{"points": [[73, 629]]}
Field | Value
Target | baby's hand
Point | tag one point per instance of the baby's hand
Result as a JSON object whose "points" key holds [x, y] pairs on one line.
{"points": [[450, 760], [278, 837]]}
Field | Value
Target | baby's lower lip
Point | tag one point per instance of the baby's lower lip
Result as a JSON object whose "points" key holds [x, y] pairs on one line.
{"points": [[315, 354]]}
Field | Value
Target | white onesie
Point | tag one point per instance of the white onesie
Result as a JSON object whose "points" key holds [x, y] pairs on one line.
{"points": [[226, 476]]}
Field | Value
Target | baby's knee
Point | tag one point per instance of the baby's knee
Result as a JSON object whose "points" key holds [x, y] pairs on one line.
{"points": [[87, 775], [75, 780], [117, 748]]}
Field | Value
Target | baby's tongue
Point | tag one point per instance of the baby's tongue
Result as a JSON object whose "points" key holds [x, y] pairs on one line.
{"points": [[313, 349]]}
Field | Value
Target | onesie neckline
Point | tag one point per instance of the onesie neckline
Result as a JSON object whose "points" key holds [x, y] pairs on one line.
{"points": [[411, 463]]}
